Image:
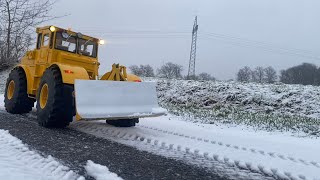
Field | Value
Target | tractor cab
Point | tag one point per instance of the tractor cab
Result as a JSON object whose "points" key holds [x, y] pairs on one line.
{"points": [[75, 42], [58, 45]]}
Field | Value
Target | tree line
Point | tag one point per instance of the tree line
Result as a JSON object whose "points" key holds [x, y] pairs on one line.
{"points": [[169, 70], [305, 74], [258, 74]]}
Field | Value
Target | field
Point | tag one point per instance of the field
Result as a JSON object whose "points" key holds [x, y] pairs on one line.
{"points": [[280, 107]]}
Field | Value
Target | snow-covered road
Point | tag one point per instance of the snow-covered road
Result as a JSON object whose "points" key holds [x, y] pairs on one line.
{"points": [[17, 161], [273, 154]]}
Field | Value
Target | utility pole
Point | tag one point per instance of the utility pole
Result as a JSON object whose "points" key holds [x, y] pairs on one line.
{"points": [[193, 51]]}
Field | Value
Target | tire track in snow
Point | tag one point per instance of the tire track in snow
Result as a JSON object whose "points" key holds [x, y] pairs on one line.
{"points": [[252, 150], [94, 128], [76, 147]]}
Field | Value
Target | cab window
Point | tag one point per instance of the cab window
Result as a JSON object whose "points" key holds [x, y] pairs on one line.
{"points": [[88, 47], [65, 42], [46, 39]]}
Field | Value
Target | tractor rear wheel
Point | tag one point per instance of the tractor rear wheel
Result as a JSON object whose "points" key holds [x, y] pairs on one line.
{"points": [[54, 104], [16, 100], [123, 122]]}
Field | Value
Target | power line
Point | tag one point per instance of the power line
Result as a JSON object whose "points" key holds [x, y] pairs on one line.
{"points": [[233, 40], [270, 49], [260, 43]]}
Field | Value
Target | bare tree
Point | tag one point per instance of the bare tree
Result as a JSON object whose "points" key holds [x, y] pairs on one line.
{"points": [[142, 70], [170, 71], [270, 74], [147, 70], [205, 76], [258, 75], [17, 21], [135, 70], [244, 74]]}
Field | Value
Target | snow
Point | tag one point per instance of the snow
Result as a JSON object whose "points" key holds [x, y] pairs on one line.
{"points": [[112, 99], [17, 161], [159, 110], [277, 154], [249, 97], [273, 153], [100, 172], [3, 78], [265, 106], [1, 101]]}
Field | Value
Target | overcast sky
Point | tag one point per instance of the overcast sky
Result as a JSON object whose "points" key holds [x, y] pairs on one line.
{"points": [[232, 33]]}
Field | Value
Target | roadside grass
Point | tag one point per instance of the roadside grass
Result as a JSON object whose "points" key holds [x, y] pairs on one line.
{"points": [[259, 121]]}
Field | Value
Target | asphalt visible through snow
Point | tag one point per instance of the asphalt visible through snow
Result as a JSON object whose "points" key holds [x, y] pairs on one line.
{"points": [[74, 148]]}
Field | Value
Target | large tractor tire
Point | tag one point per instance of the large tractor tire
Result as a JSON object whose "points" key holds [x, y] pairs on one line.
{"points": [[123, 122], [54, 100], [16, 100]]}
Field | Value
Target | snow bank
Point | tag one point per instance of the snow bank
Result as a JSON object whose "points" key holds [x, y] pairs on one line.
{"points": [[17, 161], [100, 172], [278, 106], [250, 97]]}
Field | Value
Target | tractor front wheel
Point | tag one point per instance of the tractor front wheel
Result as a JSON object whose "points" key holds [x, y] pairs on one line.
{"points": [[16, 100], [54, 104]]}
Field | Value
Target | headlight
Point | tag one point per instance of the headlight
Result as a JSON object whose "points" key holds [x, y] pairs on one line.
{"points": [[52, 28], [101, 41]]}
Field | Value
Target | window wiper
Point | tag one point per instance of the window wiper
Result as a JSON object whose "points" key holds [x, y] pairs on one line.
{"points": [[85, 44], [67, 40], [87, 41]]}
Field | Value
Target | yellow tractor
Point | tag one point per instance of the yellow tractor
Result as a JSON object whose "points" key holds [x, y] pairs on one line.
{"points": [[61, 75]]}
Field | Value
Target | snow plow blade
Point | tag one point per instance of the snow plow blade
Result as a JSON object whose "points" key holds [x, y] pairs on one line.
{"points": [[112, 100]]}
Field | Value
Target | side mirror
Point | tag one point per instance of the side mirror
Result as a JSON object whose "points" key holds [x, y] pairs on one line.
{"points": [[79, 35]]}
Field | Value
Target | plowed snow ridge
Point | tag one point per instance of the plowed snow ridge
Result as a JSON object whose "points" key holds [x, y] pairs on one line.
{"points": [[17, 161], [100, 172], [278, 156]]}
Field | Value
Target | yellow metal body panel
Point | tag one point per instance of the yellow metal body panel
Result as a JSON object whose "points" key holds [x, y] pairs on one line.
{"points": [[133, 78], [70, 73]]}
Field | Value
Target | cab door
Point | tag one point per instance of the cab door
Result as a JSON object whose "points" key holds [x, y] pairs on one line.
{"points": [[45, 47]]}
